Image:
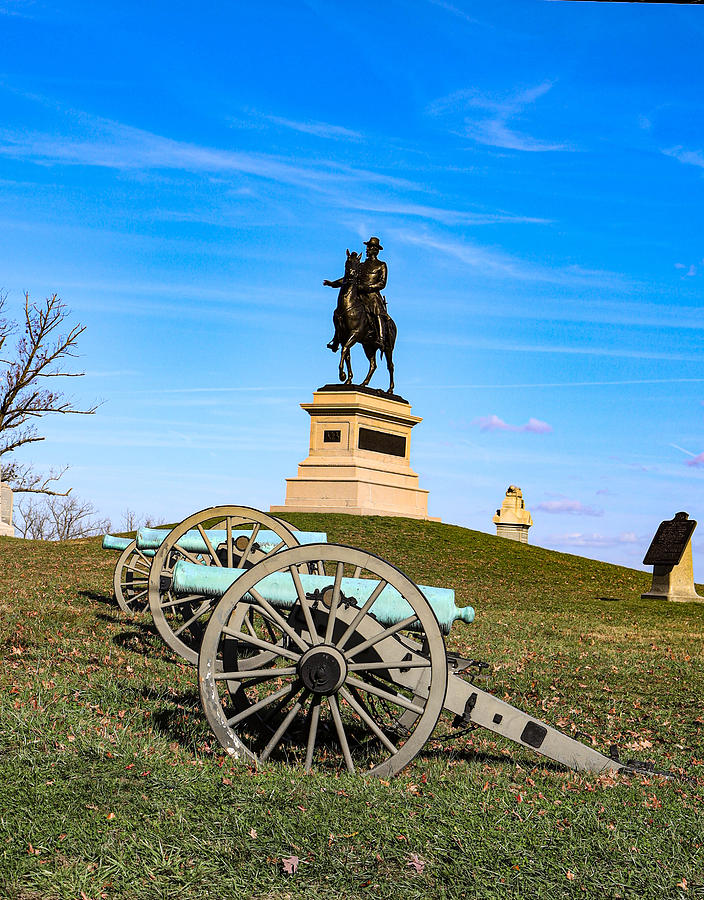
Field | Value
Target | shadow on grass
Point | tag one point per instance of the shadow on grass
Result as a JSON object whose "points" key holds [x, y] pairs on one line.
{"points": [[143, 640], [474, 755], [97, 598]]}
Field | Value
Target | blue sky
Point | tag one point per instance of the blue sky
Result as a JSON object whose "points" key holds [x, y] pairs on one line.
{"points": [[185, 177]]}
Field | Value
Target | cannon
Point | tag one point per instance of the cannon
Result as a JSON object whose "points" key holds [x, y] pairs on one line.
{"points": [[205, 546], [329, 656], [218, 537], [131, 577]]}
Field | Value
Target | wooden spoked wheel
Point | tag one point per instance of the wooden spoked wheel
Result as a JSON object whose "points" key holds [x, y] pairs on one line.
{"points": [[333, 679], [181, 620], [131, 580]]}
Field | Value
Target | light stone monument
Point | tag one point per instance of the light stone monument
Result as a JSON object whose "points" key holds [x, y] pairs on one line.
{"points": [[513, 520], [359, 457], [6, 527], [360, 437], [670, 555]]}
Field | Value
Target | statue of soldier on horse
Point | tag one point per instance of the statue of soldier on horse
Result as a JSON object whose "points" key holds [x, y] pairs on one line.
{"points": [[361, 316]]}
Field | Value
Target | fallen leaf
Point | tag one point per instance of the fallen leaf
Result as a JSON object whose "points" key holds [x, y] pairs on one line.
{"points": [[253, 833], [415, 862], [290, 864], [570, 875]]}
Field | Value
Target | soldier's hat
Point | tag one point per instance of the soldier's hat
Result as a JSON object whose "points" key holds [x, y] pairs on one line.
{"points": [[373, 242]]}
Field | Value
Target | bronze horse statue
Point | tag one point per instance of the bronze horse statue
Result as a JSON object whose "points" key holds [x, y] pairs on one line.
{"points": [[353, 326]]}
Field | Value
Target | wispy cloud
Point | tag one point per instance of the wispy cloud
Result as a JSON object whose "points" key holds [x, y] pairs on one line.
{"points": [[689, 271], [318, 129], [688, 157], [579, 539], [496, 129], [498, 263], [696, 460], [440, 214], [569, 507], [452, 339], [16, 8], [113, 145], [115, 373], [453, 10], [494, 423]]}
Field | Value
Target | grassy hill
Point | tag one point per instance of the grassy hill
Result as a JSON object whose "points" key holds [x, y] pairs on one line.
{"points": [[111, 784]]}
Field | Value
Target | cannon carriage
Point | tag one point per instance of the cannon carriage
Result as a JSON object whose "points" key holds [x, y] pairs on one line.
{"points": [[324, 653]]}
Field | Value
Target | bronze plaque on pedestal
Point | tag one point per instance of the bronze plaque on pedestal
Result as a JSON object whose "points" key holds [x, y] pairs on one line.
{"points": [[382, 442], [670, 541]]}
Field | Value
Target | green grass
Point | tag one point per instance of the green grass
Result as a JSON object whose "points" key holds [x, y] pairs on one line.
{"points": [[112, 786]]}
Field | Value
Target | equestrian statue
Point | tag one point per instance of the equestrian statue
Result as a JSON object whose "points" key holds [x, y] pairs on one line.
{"points": [[361, 316]]}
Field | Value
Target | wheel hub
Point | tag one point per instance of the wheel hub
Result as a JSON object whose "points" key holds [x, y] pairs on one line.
{"points": [[322, 669]]}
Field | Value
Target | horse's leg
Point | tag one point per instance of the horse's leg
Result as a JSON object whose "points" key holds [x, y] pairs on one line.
{"points": [[370, 350], [342, 364], [346, 356], [388, 353]]}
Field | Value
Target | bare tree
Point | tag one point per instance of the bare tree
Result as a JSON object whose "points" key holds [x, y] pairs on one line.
{"points": [[132, 520], [41, 352], [58, 518]]}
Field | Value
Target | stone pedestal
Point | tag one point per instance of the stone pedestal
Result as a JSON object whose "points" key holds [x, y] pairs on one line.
{"points": [[513, 520], [6, 528], [359, 457]]}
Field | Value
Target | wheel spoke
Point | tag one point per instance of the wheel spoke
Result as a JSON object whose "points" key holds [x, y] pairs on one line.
{"points": [[264, 674], [387, 632], [133, 597], [196, 558], [312, 732], [202, 609], [262, 704], [341, 736], [305, 606], [352, 627], [258, 642], [280, 621], [367, 719], [357, 572], [228, 542], [334, 602], [283, 727], [250, 543], [206, 541], [180, 601], [391, 666], [397, 699]]}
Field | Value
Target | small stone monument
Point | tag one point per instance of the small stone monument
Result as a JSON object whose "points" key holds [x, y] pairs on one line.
{"points": [[6, 527], [670, 555], [513, 520]]}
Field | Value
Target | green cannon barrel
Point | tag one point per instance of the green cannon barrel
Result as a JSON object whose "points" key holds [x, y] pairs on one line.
{"points": [[192, 542], [110, 542], [279, 590]]}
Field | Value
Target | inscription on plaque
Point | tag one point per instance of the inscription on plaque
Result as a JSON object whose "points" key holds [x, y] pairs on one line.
{"points": [[331, 437], [670, 541], [382, 442]]}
